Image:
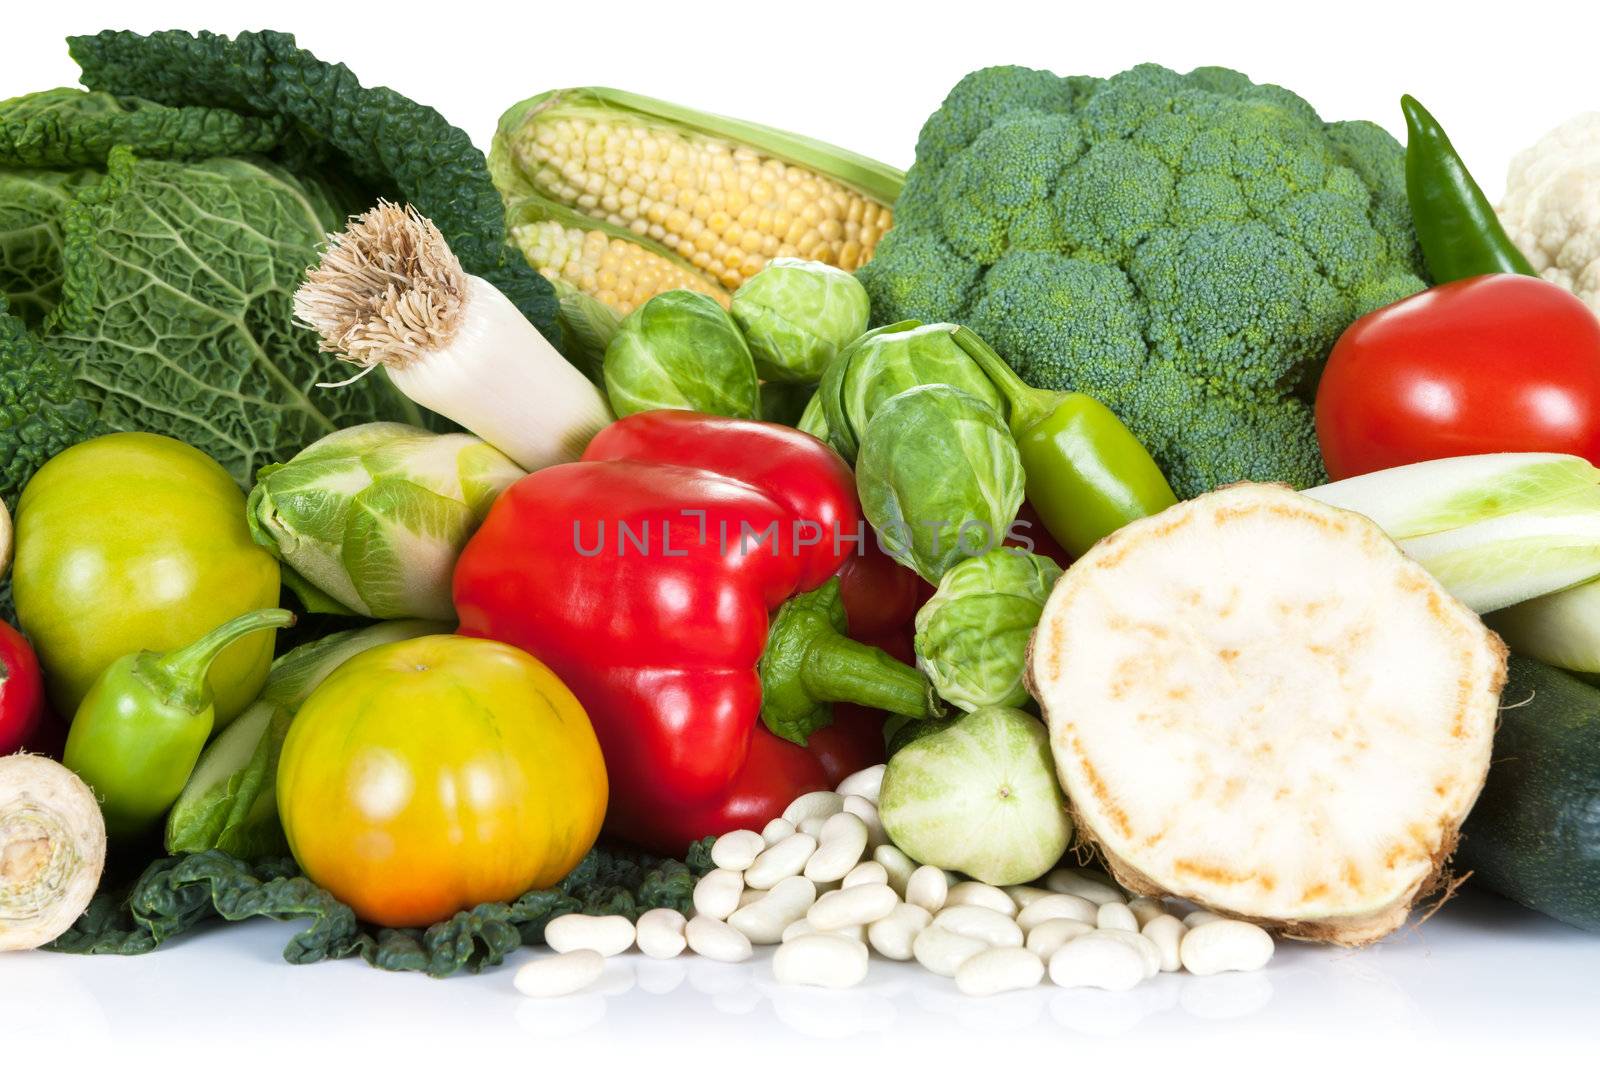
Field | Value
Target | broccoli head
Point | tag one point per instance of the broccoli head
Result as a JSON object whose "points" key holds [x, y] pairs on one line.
{"points": [[1184, 247]]}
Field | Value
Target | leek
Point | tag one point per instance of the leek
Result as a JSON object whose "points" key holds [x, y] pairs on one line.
{"points": [[1495, 530], [390, 293]]}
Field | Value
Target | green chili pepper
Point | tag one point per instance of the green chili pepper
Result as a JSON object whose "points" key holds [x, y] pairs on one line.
{"points": [[1460, 234], [142, 725], [1087, 475]]}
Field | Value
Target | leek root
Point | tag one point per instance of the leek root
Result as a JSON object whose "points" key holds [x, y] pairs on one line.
{"points": [[389, 293]]}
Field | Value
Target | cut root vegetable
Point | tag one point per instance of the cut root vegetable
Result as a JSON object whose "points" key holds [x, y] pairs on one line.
{"points": [[389, 293], [1258, 703], [52, 850]]}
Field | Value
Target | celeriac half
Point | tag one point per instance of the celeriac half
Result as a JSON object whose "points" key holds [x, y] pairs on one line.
{"points": [[1257, 702]]}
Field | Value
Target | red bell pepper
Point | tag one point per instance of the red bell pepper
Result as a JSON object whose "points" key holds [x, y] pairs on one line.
{"points": [[21, 691], [658, 577]]}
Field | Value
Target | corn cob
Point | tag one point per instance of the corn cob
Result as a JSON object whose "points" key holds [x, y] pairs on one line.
{"points": [[715, 197]]}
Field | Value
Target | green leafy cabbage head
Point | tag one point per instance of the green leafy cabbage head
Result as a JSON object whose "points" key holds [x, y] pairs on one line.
{"points": [[154, 228], [1184, 247]]}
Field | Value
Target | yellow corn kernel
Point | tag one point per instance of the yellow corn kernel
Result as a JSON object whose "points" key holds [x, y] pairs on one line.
{"points": [[615, 271], [722, 206]]}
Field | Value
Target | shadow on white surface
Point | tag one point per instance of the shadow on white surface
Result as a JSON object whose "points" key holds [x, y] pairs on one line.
{"points": [[1481, 973]]}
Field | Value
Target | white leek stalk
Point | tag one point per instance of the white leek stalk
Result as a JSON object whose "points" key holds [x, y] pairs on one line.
{"points": [[1496, 530], [389, 293]]}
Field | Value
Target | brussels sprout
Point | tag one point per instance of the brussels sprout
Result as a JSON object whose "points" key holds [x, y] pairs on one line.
{"points": [[972, 635], [979, 796], [370, 519], [785, 403], [812, 419], [939, 478], [885, 363], [797, 315], [681, 350]]}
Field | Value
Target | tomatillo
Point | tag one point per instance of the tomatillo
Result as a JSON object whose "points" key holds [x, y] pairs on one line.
{"points": [[429, 776], [133, 541]]}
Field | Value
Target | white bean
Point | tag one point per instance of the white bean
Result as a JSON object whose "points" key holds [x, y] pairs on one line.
{"points": [[818, 805], [788, 857], [1057, 906], [840, 843], [750, 896], [608, 935], [1095, 962], [999, 970], [856, 906], [1166, 932], [866, 783], [1199, 917], [1023, 895], [717, 893], [1051, 934], [1146, 908], [660, 933], [737, 850], [867, 872], [813, 825], [764, 921], [980, 895], [927, 889], [776, 831], [716, 940], [824, 960], [944, 951], [1146, 948], [988, 926], [1081, 884], [1225, 945], [894, 935], [1116, 916], [558, 975], [897, 863], [867, 812]]}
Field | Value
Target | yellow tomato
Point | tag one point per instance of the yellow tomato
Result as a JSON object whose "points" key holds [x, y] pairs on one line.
{"points": [[436, 774]]}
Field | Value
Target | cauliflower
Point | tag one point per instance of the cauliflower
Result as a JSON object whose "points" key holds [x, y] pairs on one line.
{"points": [[1552, 206], [1184, 247]]}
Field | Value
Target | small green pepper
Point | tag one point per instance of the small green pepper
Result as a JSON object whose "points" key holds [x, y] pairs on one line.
{"points": [[1460, 235], [1087, 475], [141, 727]]}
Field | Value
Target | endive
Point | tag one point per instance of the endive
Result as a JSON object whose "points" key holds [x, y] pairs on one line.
{"points": [[1495, 530]]}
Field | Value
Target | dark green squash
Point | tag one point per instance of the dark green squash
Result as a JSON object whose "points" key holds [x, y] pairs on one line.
{"points": [[1534, 835]]}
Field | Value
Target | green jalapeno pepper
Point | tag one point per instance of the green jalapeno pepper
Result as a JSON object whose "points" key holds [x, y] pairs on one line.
{"points": [[1460, 235], [141, 727], [1087, 475]]}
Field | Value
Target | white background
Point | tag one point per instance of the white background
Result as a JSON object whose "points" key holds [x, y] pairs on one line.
{"points": [[1480, 976]]}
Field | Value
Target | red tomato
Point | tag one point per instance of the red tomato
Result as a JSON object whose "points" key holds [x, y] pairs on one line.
{"points": [[21, 692], [1498, 363]]}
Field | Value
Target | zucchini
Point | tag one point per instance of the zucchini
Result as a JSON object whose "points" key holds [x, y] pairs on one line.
{"points": [[1534, 835]]}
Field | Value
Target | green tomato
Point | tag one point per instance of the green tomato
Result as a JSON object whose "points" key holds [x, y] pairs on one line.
{"points": [[979, 796], [884, 363], [134, 541], [797, 315], [681, 350], [939, 477], [972, 634]]}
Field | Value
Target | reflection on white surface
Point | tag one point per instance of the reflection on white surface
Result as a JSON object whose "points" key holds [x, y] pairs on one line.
{"points": [[1481, 973]]}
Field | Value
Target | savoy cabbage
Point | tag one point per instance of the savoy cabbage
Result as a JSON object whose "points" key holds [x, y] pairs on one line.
{"points": [[153, 229]]}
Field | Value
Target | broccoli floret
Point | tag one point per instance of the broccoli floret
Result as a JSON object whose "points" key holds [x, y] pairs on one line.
{"points": [[1186, 247]]}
